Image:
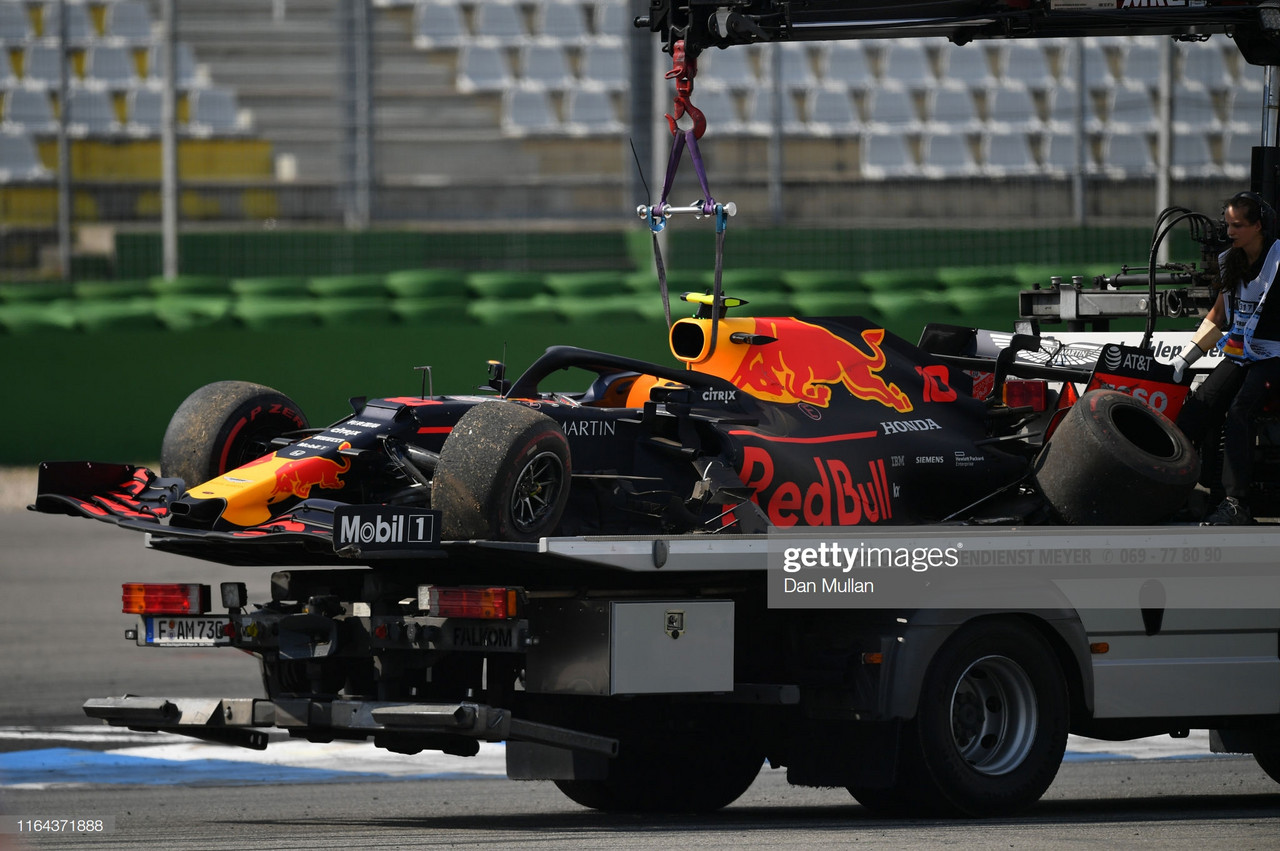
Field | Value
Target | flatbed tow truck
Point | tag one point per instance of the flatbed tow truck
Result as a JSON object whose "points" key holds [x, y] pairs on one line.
{"points": [[928, 669]]}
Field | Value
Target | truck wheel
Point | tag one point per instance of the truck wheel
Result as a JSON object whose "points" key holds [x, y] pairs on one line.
{"points": [[1269, 761], [224, 425], [992, 723], [653, 776], [503, 475], [1115, 461]]}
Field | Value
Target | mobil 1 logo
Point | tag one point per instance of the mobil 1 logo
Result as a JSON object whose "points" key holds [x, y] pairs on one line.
{"points": [[371, 529]]}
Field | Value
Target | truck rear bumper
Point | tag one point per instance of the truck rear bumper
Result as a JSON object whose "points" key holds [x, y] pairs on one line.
{"points": [[244, 721]]}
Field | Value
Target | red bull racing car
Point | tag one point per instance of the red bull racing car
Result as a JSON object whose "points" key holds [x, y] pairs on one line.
{"points": [[767, 423]]}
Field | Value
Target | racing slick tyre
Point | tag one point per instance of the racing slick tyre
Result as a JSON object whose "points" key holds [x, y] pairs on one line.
{"points": [[503, 475], [225, 425], [992, 724], [1115, 461]]}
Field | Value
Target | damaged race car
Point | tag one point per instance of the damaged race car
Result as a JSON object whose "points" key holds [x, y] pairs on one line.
{"points": [[769, 422]]}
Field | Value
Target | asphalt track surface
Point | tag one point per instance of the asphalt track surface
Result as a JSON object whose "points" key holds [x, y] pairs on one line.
{"points": [[62, 641]]}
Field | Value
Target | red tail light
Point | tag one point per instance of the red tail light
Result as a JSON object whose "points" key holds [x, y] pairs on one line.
{"points": [[1026, 393], [488, 603], [173, 598]]}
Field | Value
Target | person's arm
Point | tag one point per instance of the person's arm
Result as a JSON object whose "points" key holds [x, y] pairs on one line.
{"points": [[1209, 332]]}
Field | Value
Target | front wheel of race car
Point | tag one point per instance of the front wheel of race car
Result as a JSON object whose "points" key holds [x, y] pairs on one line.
{"points": [[225, 425], [503, 475], [1116, 461]]}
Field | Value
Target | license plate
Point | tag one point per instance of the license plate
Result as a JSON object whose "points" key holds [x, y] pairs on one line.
{"points": [[205, 631]]}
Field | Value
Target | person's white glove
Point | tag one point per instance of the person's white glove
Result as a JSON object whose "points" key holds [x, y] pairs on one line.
{"points": [[1183, 362]]}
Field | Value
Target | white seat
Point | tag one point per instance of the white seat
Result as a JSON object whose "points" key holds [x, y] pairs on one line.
{"points": [[187, 76], [892, 110], [562, 21], [545, 65], [1194, 111], [1008, 154], [502, 22], [831, 112], [907, 63], [1128, 155], [1097, 64], [604, 65], [79, 27], [967, 67], [1141, 63], [613, 20], [15, 24], [720, 108], [214, 111], [730, 69], [1060, 155], [142, 111], [1131, 110], [1245, 113], [482, 68], [89, 111], [847, 64], [110, 65], [438, 25], [29, 110], [797, 70], [592, 112], [19, 160], [1238, 154], [948, 155], [1192, 156], [1202, 65], [1027, 64], [129, 20], [41, 66], [1012, 108], [887, 155], [527, 112], [953, 111]]}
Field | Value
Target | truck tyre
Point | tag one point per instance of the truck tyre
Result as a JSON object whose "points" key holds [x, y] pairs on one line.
{"points": [[224, 425], [1115, 461], [503, 475], [991, 728], [1269, 761], [673, 775]]}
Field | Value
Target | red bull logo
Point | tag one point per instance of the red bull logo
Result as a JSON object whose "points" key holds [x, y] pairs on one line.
{"points": [[298, 477], [807, 360], [252, 489], [835, 496]]}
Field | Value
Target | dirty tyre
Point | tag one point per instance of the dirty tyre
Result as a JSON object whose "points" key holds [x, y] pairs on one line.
{"points": [[503, 475], [1115, 461], [1269, 761], [225, 425], [991, 728]]}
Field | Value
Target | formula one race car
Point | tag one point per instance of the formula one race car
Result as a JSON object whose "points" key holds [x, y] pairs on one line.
{"points": [[772, 422]]}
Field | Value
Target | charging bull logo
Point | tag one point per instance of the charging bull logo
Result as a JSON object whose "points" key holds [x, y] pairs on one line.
{"points": [[808, 359], [298, 477], [253, 488]]}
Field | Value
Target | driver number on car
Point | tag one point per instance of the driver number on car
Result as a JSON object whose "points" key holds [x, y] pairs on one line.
{"points": [[205, 631]]}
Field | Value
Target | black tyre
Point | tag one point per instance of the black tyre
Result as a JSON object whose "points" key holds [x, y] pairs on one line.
{"points": [[680, 775], [503, 475], [224, 425], [992, 724], [1269, 761], [1115, 461]]}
